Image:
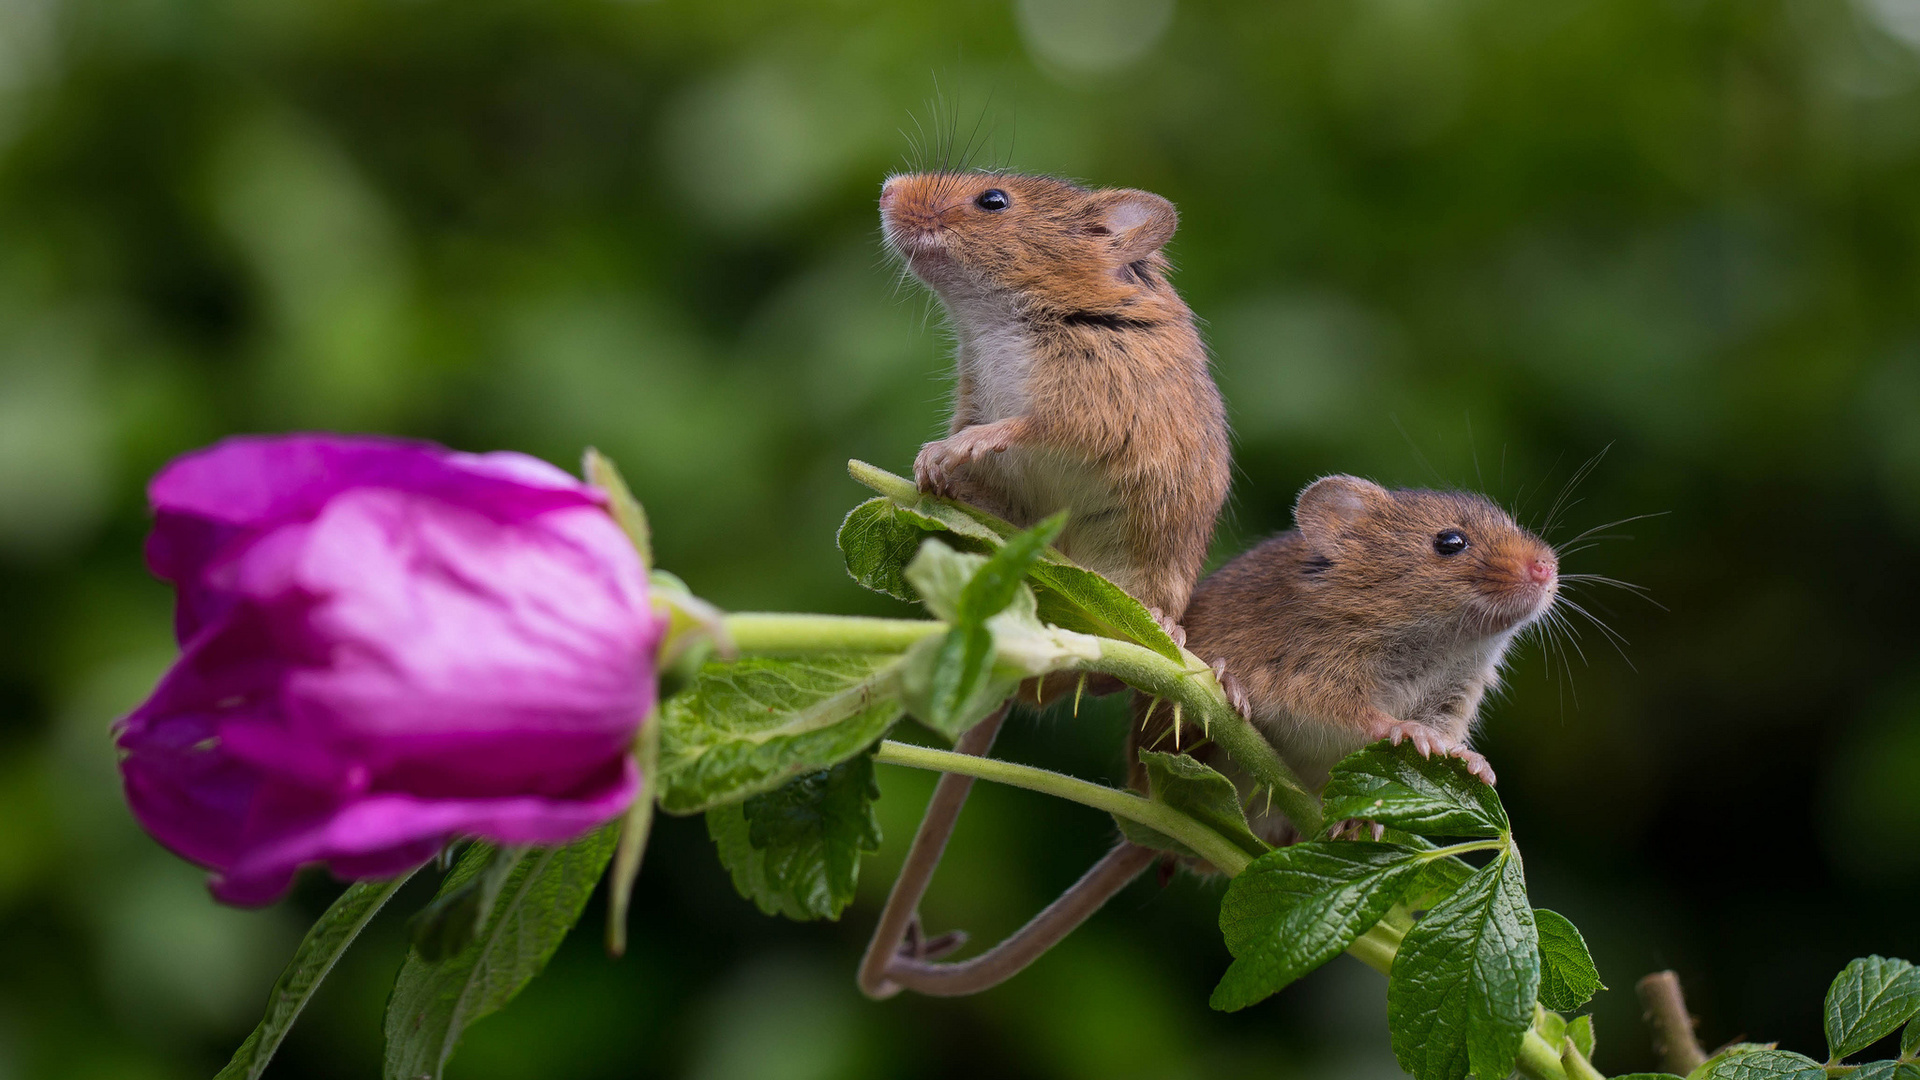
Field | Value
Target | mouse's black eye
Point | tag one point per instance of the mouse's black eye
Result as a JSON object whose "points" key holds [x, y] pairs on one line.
{"points": [[992, 199], [1450, 542]]}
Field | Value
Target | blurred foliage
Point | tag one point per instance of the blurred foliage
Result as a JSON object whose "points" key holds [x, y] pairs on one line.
{"points": [[1434, 241]]}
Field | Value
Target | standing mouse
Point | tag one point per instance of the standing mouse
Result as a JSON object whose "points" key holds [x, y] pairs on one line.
{"points": [[1083, 384], [1383, 615]]}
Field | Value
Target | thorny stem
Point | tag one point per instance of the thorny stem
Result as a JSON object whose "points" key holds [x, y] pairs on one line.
{"points": [[1189, 684], [1666, 1012]]}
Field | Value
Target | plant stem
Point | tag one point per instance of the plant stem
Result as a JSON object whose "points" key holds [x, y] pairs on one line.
{"points": [[1539, 1061], [1208, 844], [1666, 1012], [779, 632], [1577, 1066], [1198, 693]]}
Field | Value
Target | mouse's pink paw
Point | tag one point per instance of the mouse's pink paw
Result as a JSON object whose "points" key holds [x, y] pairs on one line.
{"points": [[1174, 630], [1236, 694], [936, 467], [1430, 742]]}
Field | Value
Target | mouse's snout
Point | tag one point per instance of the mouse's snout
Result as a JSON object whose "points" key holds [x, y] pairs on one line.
{"points": [[1543, 569]]}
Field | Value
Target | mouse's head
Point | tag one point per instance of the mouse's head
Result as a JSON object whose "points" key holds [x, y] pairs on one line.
{"points": [[1028, 241], [1452, 562]]}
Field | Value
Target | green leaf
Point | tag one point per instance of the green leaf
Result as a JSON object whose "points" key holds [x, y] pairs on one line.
{"points": [[1910, 1039], [1438, 880], [1394, 785], [951, 681], [995, 584], [1877, 1070], [319, 950], [1294, 909], [1580, 1030], [1069, 596], [754, 724], [1649, 1076], [601, 473], [1567, 976], [1869, 999], [796, 851], [1731, 1050], [1201, 793], [1908, 1071], [877, 540], [1461, 995], [1762, 1064], [541, 899], [448, 923]]}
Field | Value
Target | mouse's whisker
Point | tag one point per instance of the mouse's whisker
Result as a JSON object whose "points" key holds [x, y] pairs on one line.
{"points": [[1573, 482], [1589, 534]]}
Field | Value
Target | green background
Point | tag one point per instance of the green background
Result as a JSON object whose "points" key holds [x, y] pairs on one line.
{"points": [[1467, 242]]}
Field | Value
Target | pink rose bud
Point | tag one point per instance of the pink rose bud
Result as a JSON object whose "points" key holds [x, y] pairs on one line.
{"points": [[384, 645]]}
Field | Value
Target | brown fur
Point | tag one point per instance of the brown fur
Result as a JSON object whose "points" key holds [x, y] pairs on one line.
{"points": [[1353, 623], [1083, 384]]}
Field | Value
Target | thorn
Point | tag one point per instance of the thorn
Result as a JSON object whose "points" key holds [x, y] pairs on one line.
{"points": [[1151, 705], [1269, 798], [1079, 688], [1176, 725]]}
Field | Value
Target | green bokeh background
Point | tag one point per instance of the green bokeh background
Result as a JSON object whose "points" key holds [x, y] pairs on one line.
{"points": [[1468, 242]]}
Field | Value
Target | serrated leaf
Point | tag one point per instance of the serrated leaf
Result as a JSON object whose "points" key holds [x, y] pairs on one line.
{"points": [[1294, 909], [1910, 1039], [1438, 880], [1201, 793], [1762, 1064], [1069, 595], [796, 851], [1908, 1071], [1869, 999], [1649, 1076], [318, 952], [754, 724], [1394, 785], [1461, 994], [877, 540], [1567, 976], [543, 896], [1580, 1030], [1731, 1050], [1876, 1070], [995, 584]]}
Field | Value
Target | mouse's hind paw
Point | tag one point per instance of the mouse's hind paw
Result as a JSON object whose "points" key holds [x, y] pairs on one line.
{"points": [[1430, 741]]}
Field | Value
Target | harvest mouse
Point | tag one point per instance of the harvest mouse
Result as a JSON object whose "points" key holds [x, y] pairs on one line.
{"points": [[1083, 384], [1383, 615]]}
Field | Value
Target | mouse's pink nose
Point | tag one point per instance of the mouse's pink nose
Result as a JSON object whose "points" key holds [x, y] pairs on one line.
{"points": [[1542, 569], [886, 195]]}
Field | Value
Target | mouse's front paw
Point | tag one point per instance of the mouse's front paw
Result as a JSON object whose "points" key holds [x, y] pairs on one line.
{"points": [[1430, 742], [936, 468]]}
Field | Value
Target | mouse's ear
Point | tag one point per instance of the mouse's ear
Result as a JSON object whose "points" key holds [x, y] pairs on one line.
{"points": [[1330, 504], [1140, 221]]}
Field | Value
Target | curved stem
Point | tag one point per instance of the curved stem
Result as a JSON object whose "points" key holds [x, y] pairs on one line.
{"points": [[1200, 697], [780, 632], [1538, 1060], [1666, 1012], [1206, 843]]}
